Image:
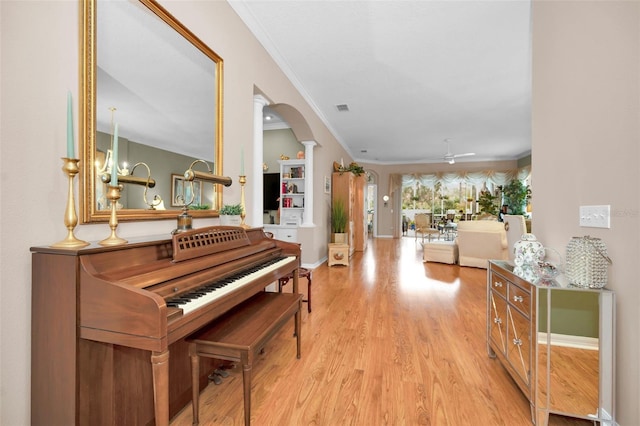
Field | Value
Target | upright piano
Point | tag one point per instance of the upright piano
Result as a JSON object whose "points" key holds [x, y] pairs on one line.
{"points": [[109, 323]]}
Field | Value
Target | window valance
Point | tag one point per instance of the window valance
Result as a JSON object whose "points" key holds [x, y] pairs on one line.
{"points": [[478, 179]]}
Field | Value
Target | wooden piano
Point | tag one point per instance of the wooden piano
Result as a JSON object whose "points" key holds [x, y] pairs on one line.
{"points": [[109, 323]]}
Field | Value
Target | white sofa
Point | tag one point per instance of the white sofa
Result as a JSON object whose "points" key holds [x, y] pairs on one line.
{"points": [[481, 240]]}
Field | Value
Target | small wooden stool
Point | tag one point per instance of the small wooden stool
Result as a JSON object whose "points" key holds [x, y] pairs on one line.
{"points": [[302, 273], [338, 254], [238, 335]]}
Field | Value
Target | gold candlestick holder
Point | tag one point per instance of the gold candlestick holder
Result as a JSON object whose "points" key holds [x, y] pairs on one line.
{"points": [[113, 195], [70, 168], [243, 180]]}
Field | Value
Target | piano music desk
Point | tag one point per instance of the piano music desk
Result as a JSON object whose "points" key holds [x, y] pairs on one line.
{"points": [[240, 334]]}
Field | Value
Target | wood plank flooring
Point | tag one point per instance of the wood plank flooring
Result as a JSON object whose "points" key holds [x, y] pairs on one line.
{"points": [[391, 341]]}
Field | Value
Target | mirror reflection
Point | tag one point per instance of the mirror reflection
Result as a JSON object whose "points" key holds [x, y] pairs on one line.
{"points": [[574, 359], [161, 86]]}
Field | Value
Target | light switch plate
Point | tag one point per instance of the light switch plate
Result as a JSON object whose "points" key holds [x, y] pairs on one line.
{"points": [[595, 216]]}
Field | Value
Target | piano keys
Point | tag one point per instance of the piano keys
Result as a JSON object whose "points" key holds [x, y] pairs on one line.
{"points": [[208, 293], [109, 323]]}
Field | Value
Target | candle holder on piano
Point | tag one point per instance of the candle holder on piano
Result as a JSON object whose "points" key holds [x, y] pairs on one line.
{"points": [[70, 168], [242, 180], [113, 195]]}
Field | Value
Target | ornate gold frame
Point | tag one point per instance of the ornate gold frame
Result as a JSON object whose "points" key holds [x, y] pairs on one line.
{"points": [[87, 189]]}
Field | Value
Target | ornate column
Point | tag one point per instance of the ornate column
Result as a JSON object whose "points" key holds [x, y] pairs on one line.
{"points": [[255, 178], [308, 183]]}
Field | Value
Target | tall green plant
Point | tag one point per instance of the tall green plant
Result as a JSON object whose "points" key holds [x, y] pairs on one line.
{"points": [[338, 217], [516, 195], [487, 203]]}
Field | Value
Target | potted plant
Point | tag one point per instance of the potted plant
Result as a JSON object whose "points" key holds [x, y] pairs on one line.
{"points": [[230, 215], [516, 195], [486, 200], [338, 222]]}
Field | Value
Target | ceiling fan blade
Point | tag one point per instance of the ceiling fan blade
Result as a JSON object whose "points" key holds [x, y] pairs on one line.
{"points": [[466, 154]]}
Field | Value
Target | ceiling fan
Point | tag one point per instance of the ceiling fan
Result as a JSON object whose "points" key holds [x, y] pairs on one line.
{"points": [[450, 158]]}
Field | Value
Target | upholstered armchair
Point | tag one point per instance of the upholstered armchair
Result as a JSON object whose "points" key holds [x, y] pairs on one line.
{"points": [[514, 226], [481, 240]]}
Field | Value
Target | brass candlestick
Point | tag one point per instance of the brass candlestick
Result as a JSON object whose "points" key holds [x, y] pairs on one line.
{"points": [[70, 168], [113, 194], [242, 180]]}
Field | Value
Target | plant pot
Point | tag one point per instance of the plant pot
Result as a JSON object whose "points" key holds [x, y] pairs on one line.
{"points": [[339, 238], [230, 220]]}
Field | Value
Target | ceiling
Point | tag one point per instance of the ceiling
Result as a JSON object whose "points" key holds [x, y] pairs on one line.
{"points": [[412, 74]]}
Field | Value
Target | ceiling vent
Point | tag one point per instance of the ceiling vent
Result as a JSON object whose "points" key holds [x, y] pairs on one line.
{"points": [[343, 107]]}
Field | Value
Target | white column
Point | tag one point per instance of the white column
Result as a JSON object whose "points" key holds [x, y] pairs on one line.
{"points": [[308, 183], [254, 213]]}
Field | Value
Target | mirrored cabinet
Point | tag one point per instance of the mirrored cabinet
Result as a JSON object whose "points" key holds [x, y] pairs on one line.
{"points": [[555, 340]]}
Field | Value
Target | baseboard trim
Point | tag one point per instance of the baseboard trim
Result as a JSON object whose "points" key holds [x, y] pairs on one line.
{"points": [[570, 341]]}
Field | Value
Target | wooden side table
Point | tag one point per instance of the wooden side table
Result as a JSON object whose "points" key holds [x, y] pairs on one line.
{"points": [[338, 254]]}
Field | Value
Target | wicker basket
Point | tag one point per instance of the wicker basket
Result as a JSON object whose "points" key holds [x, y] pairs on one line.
{"points": [[587, 262]]}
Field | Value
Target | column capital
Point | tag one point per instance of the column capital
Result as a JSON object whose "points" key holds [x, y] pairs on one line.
{"points": [[259, 99]]}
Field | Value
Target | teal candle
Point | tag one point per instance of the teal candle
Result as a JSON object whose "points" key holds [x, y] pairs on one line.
{"points": [[242, 161], [70, 145], [114, 164]]}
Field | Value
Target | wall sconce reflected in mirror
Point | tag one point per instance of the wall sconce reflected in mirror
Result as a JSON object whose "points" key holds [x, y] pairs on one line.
{"points": [[185, 220], [385, 198]]}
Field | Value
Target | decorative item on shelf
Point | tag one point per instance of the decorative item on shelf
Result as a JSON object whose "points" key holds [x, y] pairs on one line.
{"points": [[587, 262], [265, 167], [284, 157], [231, 215], [70, 168], [243, 213], [185, 220], [548, 267], [353, 167], [113, 195], [300, 155], [528, 250]]}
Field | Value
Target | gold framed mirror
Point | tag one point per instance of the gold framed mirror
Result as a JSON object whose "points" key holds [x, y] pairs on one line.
{"points": [[146, 72]]}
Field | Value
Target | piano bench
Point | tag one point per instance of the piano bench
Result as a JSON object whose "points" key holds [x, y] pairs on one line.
{"points": [[302, 273], [239, 335]]}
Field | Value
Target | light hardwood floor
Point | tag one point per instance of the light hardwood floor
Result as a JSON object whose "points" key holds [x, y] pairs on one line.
{"points": [[391, 341]]}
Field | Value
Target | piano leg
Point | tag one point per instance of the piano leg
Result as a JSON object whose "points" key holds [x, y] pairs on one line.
{"points": [[160, 367], [195, 383]]}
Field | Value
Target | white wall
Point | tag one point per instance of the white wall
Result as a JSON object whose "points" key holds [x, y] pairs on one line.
{"points": [[586, 93], [585, 149]]}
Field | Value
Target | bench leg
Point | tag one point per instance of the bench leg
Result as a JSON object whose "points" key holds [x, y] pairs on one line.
{"points": [[246, 383], [297, 326], [309, 293], [195, 383]]}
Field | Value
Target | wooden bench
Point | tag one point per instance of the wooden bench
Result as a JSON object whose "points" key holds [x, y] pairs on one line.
{"points": [[239, 335]]}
